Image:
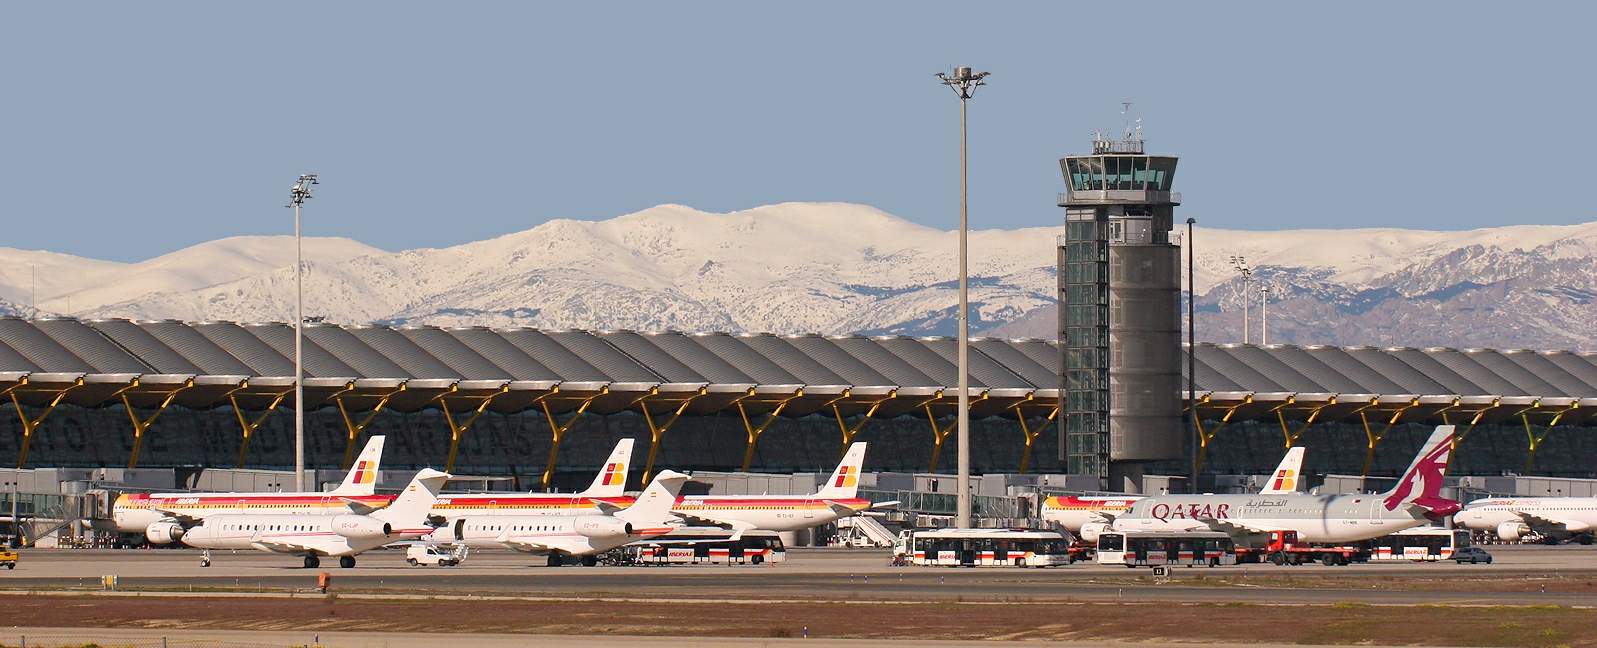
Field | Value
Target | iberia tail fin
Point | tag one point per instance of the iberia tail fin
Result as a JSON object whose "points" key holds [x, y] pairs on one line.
{"points": [[362, 476], [612, 478], [1421, 485], [844, 482], [1285, 479]]}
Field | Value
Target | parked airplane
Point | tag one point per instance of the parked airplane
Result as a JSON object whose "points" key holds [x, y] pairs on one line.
{"points": [[836, 499], [147, 512], [606, 493], [1415, 500], [1512, 518], [321, 534], [1073, 513], [559, 534]]}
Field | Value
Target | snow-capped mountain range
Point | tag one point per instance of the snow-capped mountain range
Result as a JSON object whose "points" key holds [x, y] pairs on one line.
{"points": [[840, 268]]}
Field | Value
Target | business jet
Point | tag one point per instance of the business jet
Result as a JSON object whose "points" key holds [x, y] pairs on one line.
{"points": [[151, 513], [313, 535], [1415, 500], [1072, 512], [1552, 518], [558, 535]]}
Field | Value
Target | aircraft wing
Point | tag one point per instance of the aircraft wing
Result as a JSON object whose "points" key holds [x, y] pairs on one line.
{"points": [[182, 518], [1230, 528], [1541, 524], [359, 508], [739, 527], [285, 545], [545, 545]]}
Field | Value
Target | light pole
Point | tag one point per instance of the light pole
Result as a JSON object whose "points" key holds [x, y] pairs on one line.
{"points": [[1192, 357], [1264, 315], [964, 83], [297, 197], [1241, 265]]}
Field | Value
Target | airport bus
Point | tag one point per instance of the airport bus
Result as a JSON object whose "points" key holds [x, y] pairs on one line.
{"points": [[983, 548], [1419, 544], [753, 548], [1169, 549]]}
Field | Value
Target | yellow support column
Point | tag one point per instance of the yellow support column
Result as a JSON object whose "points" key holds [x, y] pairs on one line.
{"points": [[755, 432], [248, 427], [1205, 437], [657, 430], [939, 435], [1535, 440], [354, 429], [456, 431], [847, 432], [558, 431], [1314, 413], [139, 426], [30, 425], [1030, 436], [1371, 439]]}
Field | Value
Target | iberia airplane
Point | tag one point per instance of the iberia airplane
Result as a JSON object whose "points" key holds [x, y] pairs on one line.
{"points": [[836, 499], [1073, 513], [323, 533], [560, 534], [149, 514], [144, 512]]}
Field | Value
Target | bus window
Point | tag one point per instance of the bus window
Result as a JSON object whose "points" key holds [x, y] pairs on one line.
{"points": [[1111, 542]]}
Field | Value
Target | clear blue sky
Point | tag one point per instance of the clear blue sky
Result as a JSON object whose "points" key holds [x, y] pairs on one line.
{"points": [[133, 129]]}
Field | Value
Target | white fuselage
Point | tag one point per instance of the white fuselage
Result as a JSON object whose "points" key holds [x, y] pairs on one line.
{"points": [[1573, 514], [1315, 518], [326, 535], [577, 535]]}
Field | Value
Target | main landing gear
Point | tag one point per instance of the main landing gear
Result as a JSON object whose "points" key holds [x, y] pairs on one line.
{"points": [[346, 562], [312, 562]]}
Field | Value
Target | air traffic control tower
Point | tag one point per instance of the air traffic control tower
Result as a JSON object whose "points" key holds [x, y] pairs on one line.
{"points": [[1119, 323]]}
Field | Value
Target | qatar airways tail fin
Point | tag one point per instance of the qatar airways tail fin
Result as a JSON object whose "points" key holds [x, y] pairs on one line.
{"points": [[612, 478], [844, 482], [1420, 487], [362, 476], [1285, 479]]}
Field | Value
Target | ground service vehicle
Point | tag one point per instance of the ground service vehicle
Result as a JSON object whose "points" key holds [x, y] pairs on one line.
{"points": [[1419, 544], [8, 558], [430, 554], [751, 548], [1187, 549], [986, 548], [1472, 555]]}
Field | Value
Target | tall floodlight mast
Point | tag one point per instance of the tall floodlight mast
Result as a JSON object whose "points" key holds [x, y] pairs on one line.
{"points": [[297, 197], [964, 83], [1241, 266]]}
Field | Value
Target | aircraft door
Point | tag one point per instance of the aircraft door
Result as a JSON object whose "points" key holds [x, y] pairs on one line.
{"points": [[460, 529], [809, 510]]}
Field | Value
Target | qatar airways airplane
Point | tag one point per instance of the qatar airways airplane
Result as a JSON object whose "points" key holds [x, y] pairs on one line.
{"points": [[1073, 513], [1415, 500], [148, 513]]}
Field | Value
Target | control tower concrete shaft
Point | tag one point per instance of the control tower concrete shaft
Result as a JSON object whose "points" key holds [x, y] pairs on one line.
{"points": [[1119, 324]]}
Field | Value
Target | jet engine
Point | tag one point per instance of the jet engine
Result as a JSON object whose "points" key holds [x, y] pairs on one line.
{"points": [[361, 527], [601, 526], [163, 532], [1090, 531], [1512, 530]]}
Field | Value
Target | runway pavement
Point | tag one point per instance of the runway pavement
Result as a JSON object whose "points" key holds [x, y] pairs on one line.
{"points": [[828, 574]]}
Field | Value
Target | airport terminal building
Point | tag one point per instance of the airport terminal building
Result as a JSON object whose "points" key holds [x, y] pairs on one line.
{"points": [[544, 407]]}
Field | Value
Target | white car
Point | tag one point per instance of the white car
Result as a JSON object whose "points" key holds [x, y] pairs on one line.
{"points": [[431, 554]]}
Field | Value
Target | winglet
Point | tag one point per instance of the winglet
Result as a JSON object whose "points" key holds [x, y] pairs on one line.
{"points": [[844, 482], [362, 476], [1285, 479], [612, 478]]}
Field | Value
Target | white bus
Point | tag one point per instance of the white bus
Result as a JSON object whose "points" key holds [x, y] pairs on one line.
{"points": [[1183, 548], [982, 548], [1419, 544], [754, 548]]}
